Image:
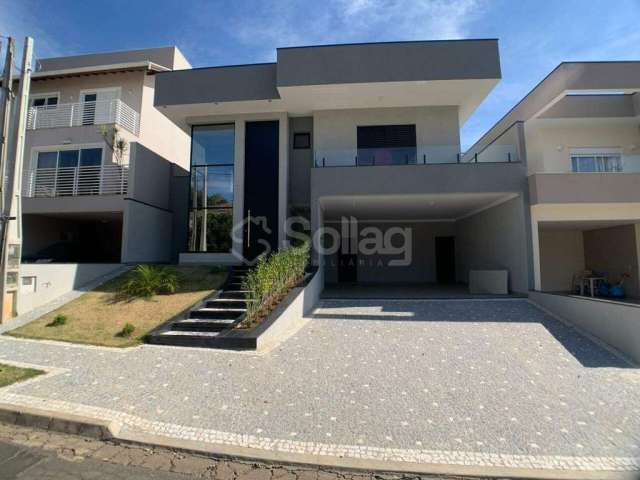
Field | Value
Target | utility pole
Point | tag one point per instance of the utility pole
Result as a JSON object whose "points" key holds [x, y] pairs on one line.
{"points": [[12, 233], [7, 98]]}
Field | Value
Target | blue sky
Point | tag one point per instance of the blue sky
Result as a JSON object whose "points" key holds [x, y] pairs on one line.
{"points": [[535, 35]]}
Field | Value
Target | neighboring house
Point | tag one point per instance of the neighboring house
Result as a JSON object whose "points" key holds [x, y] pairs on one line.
{"points": [[84, 199], [582, 144], [369, 133]]}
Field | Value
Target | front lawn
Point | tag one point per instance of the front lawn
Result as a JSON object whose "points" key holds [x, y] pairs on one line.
{"points": [[99, 316], [10, 374]]}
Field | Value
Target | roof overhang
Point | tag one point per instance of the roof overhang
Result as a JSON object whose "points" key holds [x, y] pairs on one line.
{"points": [[307, 79], [96, 70]]}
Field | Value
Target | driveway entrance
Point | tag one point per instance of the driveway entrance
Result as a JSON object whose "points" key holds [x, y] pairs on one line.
{"points": [[486, 383]]}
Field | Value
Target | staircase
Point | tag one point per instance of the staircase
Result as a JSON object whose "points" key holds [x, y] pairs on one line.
{"points": [[208, 323]]}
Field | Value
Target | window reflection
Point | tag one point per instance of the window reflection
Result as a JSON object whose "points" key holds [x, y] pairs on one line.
{"points": [[211, 199]]}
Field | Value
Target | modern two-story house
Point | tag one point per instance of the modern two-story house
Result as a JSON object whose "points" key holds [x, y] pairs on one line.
{"points": [[363, 141], [100, 160], [582, 142]]}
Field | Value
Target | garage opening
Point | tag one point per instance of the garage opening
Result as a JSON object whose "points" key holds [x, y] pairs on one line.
{"points": [[596, 259], [72, 238], [427, 246]]}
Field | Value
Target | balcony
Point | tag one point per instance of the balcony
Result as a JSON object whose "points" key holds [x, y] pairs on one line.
{"points": [[100, 112], [420, 155], [76, 181]]}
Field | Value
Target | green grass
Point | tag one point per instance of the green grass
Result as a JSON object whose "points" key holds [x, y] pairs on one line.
{"points": [[10, 374], [99, 317]]}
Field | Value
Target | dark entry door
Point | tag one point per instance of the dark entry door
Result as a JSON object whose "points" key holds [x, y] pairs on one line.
{"points": [[260, 188], [445, 259], [347, 265]]}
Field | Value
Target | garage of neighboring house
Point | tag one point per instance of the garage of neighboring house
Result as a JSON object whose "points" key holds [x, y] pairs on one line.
{"points": [[94, 237]]}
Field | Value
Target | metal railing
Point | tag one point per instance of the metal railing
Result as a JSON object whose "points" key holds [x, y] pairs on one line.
{"points": [[367, 157], [76, 181], [84, 113]]}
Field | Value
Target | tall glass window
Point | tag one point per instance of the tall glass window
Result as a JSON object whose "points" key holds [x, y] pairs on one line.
{"points": [[211, 199]]}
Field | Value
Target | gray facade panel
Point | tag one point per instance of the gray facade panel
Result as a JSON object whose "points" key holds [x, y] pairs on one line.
{"points": [[418, 179], [592, 106], [388, 62], [217, 84], [584, 187]]}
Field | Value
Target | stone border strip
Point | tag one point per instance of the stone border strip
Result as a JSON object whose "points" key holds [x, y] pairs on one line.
{"points": [[115, 425]]}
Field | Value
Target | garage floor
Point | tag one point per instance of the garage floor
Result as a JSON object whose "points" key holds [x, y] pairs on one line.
{"points": [[400, 291]]}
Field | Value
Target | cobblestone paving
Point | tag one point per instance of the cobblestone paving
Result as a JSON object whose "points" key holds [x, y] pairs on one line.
{"points": [[31, 454], [457, 382]]}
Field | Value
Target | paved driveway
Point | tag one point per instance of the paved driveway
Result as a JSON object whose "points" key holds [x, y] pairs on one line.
{"points": [[484, 382]]}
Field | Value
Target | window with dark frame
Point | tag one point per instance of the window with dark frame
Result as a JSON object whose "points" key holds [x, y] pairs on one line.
{"points": [[301, 141], [387, 145], [211, 192]]}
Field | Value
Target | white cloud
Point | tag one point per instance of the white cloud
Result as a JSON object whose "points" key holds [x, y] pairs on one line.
{"points": [[411, 19], [289, 23]]}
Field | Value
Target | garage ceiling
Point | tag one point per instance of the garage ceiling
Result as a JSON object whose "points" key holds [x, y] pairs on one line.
{"points": [[410, 207]]}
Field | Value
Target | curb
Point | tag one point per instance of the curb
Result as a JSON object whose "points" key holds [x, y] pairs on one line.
{"points": [[111, 430], [59, 422]]}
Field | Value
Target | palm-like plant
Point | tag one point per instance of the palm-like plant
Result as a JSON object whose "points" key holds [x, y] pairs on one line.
{"points": [[149, 280]]}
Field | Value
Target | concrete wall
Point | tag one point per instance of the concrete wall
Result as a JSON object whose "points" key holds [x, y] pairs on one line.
{"points": [[374, 268], [495, 239], [561, 257], [614, 251], [149, 177], [159, 133], [300, 163], [335, 131], [147, 234], [288, 318], [56, 279], [148, 219], [614, 323], [549, 145]]}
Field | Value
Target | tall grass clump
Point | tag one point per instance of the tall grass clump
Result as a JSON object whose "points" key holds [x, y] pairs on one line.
{"points": [[272, 277], [148, 280]]}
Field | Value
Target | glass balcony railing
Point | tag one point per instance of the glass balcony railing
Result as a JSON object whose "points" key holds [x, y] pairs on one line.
{"points": [[419, 155]]}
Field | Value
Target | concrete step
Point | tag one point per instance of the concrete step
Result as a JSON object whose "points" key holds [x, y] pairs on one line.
{"points": [[226, 303], [218, 313], [186, 338], [202, 324], [232, 294]]}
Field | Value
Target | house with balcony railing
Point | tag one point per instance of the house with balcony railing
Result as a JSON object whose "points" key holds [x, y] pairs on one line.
{"points": [[100, 158]]}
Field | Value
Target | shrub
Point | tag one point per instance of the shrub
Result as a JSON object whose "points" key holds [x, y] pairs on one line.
{"points": [[274, 276], [127, 330], [58, 320], [149, 280]]}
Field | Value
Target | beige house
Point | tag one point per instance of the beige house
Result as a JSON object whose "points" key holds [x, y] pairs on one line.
{"points": [[100, 159], [582, 142]]}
